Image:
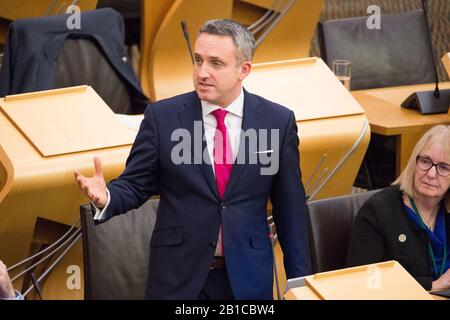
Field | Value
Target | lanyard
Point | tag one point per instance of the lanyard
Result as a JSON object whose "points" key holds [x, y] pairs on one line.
{"points": [[430, 248]]}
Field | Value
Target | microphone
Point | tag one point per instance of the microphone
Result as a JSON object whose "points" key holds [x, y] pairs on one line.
{"points": [[186, 37], [429, 102]]}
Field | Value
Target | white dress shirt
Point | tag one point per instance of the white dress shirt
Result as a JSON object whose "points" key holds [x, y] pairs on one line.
{"points": [[18, 296], [233, 122]]}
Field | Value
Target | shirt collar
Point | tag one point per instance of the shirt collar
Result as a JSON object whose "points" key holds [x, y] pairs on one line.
{"points": [[236, 107]]}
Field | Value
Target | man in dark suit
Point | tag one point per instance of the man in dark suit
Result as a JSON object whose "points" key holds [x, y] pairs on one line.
{"points": [[211, 238]]}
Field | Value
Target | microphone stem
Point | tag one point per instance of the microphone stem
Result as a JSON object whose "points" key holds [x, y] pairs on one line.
{"points": [[436, 77], [186, 37]]}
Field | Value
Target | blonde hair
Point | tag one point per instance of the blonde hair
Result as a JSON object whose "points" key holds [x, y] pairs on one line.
{"points": [[406, 178]]}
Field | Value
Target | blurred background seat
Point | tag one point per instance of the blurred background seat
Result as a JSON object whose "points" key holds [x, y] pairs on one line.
{"points": [[130, 11], [116, 253], [23, 9], [330, 224], [397, 54], [53, 56]]}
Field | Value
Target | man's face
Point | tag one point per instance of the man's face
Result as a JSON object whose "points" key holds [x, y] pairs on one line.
{"points": [[217, 76]]}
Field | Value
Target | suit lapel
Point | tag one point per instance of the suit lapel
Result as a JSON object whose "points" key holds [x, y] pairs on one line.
{"points": [[190, 115], [252, 119]]}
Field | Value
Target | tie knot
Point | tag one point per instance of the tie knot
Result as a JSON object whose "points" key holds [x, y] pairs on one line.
{"points": [[219, 114]]}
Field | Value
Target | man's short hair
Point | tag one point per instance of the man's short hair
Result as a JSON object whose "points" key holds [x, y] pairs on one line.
{"points": [[242, 37]]}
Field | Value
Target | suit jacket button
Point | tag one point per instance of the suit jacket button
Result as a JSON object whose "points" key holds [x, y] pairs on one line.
{"points": [[223, 206], [213, 244]]}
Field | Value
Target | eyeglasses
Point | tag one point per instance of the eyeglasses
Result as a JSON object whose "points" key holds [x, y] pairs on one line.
{"points": [[426, 164]]}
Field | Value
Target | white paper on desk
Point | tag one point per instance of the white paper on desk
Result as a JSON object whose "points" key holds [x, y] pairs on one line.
{"points": [[132, 122]]}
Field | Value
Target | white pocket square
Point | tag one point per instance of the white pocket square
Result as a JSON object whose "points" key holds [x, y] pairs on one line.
{"points": [[265, 151]]}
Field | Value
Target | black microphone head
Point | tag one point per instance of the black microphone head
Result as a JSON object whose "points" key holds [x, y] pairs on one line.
{"points": [[184, 26], [186, 36], [427, 23]]}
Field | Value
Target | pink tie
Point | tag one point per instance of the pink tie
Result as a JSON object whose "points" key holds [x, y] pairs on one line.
{"points": [[223, 156], [223, 163]]}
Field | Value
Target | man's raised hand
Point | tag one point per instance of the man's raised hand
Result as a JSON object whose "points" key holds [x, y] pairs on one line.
{"points": [[94, 187]]}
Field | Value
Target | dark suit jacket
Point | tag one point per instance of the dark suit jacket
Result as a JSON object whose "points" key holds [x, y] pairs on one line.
{"points": [[190, 211], [34, 45], [375, 236]]}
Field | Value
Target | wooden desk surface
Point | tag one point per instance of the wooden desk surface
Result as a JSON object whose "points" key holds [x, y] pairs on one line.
{"points": [[306, 293], [387, 117]]}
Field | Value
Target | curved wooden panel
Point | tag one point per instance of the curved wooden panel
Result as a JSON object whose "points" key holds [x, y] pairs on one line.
{"points": [[6, 174], [323, 144], [152, 15], [291, 38], [261, 3], [34, 186]]}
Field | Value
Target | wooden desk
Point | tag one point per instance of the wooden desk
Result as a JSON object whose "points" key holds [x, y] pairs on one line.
{"points": [[388, 118], [380, 281], [306, 293], [38, 185], [446, 62]]}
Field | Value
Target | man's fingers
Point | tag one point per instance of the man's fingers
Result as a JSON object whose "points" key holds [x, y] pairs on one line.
{"points": [[81, 180], [88, 185], [83, 183], [79, 177], [98, 166]]}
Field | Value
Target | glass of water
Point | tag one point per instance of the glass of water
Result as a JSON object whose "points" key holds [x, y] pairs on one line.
{"points": [[343, 71]]}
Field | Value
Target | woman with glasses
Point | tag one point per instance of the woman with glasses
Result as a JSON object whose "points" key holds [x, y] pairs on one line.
{"points": [[409, 221]]}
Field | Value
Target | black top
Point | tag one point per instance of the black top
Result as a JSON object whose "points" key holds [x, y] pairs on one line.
{"points": [[376, 236]]}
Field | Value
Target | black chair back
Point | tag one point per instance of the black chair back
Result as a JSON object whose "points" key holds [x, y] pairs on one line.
{"points": [[330, 223], [116, 253], [397, 54], [81, 62], [52, 55]]}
